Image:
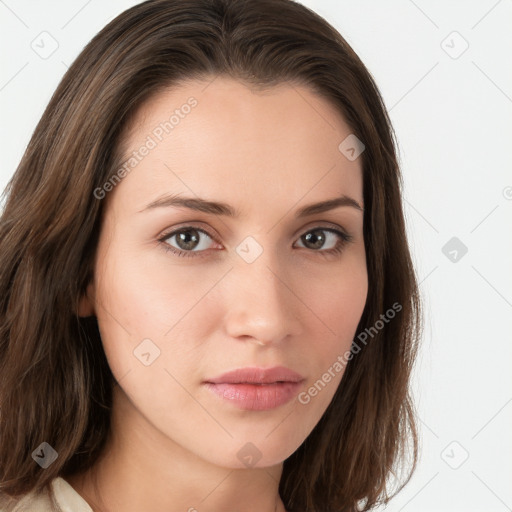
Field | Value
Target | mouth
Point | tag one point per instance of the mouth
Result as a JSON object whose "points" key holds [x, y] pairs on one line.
{"points": [[256, 397], [256, 389], [258, 376]]}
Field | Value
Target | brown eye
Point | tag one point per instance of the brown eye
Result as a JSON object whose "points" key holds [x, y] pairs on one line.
{"points": [[315, 239], [189, 240]]}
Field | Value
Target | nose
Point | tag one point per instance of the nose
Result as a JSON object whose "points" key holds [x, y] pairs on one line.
{"points": [[261, 305]]}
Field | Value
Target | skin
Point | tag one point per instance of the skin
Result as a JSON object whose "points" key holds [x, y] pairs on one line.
{"points": [[174, 444]]}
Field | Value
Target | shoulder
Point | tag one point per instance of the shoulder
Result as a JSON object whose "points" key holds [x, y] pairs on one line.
{"points": [[31, 501], [64, 499], [67, 498]]}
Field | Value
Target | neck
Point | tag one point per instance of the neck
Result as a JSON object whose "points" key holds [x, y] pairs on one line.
{"points": [[141, 469]]}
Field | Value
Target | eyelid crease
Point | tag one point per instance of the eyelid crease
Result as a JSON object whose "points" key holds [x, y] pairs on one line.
{"points": [[344, 238], [312, 226]]}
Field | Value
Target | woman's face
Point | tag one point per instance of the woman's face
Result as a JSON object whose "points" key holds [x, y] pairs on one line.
{"points": [[262, 288]]}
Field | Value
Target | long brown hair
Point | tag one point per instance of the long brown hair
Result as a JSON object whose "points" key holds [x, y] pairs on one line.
{"points": [[55, 382]]}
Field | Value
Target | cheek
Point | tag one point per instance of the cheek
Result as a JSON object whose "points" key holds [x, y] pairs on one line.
{"points": [[338, 303], [343, 309], [339, 300], [150, 299], [150, 295]]}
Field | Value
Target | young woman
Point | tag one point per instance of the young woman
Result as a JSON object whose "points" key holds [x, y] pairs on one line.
{"points": [[208, 301]]}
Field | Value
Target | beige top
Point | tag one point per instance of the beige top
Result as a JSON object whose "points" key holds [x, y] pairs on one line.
{"points": [[68, 500]]}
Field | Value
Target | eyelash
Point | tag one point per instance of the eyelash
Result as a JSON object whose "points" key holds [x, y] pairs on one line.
{"points": [[344, 239]]}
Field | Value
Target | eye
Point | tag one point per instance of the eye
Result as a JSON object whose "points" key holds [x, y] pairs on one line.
{"points": [[336, 240], [188, 239], [189, 243]]}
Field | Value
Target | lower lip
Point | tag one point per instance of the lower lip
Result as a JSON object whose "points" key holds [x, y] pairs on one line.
{"points": [[256, 397]]}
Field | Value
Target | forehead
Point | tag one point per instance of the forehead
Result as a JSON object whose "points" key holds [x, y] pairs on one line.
{"points": [[225, 140]]}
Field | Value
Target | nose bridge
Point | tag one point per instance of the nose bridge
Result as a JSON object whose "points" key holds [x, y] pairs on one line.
{"points": [[261, 305]]}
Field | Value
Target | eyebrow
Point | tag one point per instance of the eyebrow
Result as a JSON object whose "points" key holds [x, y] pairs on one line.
{"points": [[220, 208]]}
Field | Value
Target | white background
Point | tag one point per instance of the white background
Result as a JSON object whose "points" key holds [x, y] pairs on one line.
{"points": [[452, 114]]}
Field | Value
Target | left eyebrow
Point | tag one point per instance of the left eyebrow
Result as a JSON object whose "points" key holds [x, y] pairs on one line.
{"points": [[220, 208], [329, 204]]}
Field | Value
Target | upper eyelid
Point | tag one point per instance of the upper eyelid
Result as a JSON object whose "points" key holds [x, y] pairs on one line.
{"points": [[319, 225], [174, 231]]}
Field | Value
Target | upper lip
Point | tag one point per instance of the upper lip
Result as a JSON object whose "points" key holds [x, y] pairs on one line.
{"points": [[255, 375]]}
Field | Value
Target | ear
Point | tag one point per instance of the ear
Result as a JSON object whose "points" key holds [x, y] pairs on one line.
{"points": [[86, 304]]}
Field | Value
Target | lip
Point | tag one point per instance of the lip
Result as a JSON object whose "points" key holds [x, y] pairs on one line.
{"points": [[256, 389], [255, 375]]}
